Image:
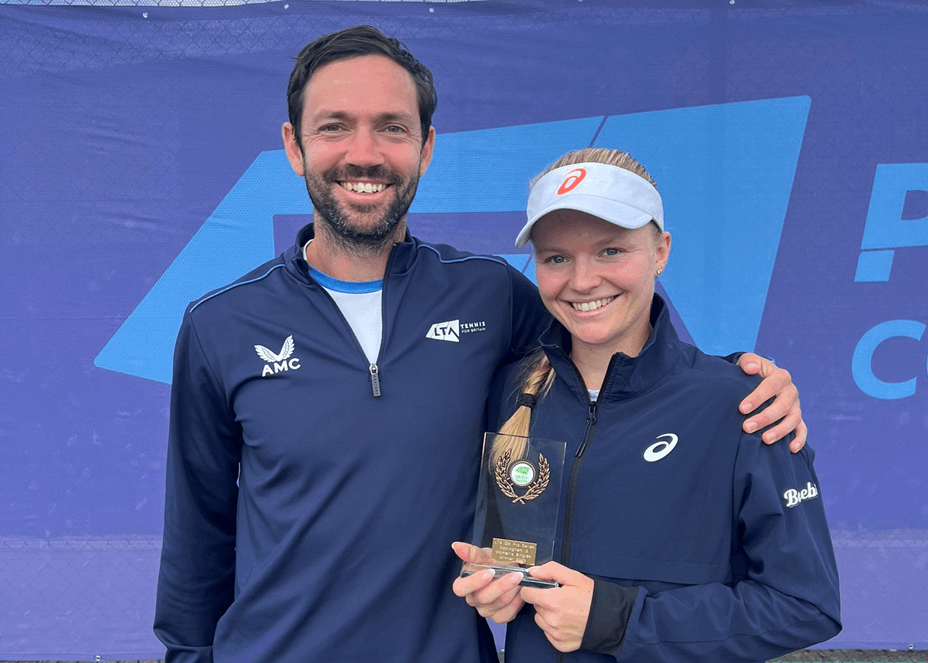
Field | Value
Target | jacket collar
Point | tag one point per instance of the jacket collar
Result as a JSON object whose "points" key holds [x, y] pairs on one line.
{"points": [[401, 258], [626, 376]]}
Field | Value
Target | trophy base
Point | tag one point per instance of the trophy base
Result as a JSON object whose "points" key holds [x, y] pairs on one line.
{"points": [[500, 571]]}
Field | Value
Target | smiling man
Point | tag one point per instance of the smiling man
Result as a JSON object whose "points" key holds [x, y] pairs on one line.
{"points": [[313, 493], [361, 148]]}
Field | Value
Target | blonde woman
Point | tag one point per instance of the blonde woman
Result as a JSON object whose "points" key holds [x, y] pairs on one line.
{"points": [[682, 537]]}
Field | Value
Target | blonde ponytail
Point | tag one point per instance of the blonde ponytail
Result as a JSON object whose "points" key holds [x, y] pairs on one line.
{"points": [[537, 378]]}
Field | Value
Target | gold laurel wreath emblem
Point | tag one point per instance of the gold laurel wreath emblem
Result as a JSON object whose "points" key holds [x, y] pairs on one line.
{"points": [[535, 488]]}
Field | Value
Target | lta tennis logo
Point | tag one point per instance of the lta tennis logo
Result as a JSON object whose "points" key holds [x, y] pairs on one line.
{"points": [[728, 197]]}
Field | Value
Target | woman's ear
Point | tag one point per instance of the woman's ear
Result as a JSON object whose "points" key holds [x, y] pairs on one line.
{"points": [[663, 252]]}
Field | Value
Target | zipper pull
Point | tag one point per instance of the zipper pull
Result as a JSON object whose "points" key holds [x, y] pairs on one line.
{"points": [[375, 380], [590, 424]]}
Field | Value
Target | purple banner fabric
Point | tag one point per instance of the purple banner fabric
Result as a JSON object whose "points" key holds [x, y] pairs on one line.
{"points": [[142, 165]]}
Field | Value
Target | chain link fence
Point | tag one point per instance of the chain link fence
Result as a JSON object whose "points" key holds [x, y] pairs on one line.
{"points": [[85, 590], [804, 656], [854, 656], [189, 3], [91, 585]]}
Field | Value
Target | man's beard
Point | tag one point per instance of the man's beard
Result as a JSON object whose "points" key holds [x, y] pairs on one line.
{"points": [[352, 236]]}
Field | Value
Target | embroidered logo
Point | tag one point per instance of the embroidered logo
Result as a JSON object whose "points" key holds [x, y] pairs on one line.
{"points": [[451, 330], [793, 497], [663, 446], [281, 361], [573, 178]]}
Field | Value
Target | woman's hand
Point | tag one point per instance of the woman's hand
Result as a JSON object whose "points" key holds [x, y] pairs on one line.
{"points": [[561, 612], [777, 384], [499, 599]]}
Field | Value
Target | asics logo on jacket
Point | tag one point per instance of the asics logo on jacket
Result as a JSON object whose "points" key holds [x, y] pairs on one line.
{"points": [[663, 446]]}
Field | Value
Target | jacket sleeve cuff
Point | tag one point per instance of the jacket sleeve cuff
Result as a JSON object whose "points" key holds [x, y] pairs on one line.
{"points": [[609, 613], [733, 357]]}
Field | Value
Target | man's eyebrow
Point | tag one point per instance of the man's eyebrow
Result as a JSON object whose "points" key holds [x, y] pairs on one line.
{"points": [[397, 116], [332, 115]]}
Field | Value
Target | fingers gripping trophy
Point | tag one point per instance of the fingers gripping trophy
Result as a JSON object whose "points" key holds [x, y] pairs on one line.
{"points": [[517, 506]]}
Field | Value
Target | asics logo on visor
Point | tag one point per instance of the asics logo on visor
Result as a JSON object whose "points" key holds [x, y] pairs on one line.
{"points": [[570, 182]]}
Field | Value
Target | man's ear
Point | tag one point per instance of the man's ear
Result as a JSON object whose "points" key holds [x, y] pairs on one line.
{"points": [[293, 149], [425, 154]]}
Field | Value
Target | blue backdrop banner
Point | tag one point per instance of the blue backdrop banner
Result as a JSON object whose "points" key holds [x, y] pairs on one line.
{"points": [[142, 166]]}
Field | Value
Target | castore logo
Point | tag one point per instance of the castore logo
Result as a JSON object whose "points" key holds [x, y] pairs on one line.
{"points": [[280, 361]]}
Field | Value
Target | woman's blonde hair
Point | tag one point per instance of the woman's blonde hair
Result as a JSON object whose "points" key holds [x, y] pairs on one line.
{"points": [[535, 377], [536, 374], [602, 155]]}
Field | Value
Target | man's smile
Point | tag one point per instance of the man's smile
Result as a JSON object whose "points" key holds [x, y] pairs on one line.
{"points": [[364, 187]]}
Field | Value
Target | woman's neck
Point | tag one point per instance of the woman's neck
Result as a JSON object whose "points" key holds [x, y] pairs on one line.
{"points": [[593, 360]]}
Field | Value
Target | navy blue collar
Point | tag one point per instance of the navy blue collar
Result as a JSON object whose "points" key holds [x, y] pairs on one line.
{"points": [[626, 375], [401, 258]]}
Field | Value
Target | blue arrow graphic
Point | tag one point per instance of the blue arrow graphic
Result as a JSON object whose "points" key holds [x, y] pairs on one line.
{"points": [[725, 173]]}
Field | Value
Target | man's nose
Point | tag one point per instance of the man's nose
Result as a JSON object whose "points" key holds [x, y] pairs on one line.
{"points": [[363, 149]]}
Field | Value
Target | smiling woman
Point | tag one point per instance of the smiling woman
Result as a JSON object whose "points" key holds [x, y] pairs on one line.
{"points": [[597, 279], [683, 537], [596, 276]]}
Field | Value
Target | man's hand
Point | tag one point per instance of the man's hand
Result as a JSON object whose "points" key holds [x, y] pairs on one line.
{"points": [[777, 384], [561, 612], [498, 600]]}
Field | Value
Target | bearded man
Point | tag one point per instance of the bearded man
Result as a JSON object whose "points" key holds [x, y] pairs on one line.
{"points": [[313, 492]]}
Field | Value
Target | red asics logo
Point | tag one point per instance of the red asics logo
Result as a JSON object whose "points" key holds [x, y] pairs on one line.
{"points": [[573, 178]]}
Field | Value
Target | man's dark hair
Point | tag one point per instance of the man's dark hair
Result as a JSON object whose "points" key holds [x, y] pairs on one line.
{"points": [[354, 42]]}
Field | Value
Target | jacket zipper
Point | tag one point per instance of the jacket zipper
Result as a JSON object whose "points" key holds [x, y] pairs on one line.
{"points": [[375, 379], [575, 471], [575, 477], [373, 369]]}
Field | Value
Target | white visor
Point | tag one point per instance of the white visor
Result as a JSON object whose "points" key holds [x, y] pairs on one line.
{"points": [[610, 193]]}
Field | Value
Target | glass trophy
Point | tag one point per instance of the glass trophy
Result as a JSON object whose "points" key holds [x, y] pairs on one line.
{"points": [[517, 505]]}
